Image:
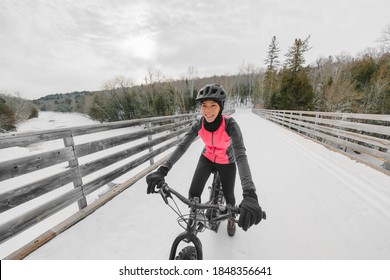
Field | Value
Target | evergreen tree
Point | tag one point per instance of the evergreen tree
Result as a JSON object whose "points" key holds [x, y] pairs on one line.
{"points": [[270, 80], [295, 58], [296, 92]]}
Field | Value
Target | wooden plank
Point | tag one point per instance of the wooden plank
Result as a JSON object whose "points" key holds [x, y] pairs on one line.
{"points": [[379, 129], [96, 146], [87, 129], [359, 137], [27, 192], [16, 167], [74, 163], [24, 221], [80, 215], [339, 141], [121, 124], [106, 178], [103, 162], [26, 250], [25, 139], [376, 117]]}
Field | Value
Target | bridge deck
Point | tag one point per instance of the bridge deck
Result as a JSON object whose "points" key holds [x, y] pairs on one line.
{"points": [[320, 205]]}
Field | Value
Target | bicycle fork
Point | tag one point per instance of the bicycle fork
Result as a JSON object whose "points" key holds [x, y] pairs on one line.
{"points": [[187, 237]]}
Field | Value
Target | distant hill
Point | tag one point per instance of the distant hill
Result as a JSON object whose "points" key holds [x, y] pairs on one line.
{"points": [[63, 102]]}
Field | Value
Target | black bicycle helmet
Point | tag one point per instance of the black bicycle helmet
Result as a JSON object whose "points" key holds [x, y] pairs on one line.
{"points": [[212, 92]]}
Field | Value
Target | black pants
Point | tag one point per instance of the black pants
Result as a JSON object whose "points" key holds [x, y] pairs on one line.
{"points": [[227, 172]]}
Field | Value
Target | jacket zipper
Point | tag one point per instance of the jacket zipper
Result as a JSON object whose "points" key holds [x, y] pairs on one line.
{"points": [[212, 142]]}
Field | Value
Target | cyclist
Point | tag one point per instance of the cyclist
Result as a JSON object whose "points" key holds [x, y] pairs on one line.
{"points": [[224, 149]]}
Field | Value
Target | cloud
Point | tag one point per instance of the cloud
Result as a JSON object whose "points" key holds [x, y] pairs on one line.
{"points": [[61, 46]]}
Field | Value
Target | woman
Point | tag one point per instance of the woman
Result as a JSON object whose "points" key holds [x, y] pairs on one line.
{"points": [[224, 150]]}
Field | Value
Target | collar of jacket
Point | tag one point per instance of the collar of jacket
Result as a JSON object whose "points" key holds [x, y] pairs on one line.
{"points": [[213, 126]]}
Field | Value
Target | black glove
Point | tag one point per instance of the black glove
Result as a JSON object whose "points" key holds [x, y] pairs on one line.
{"points": [[155, 178], [251, 212]]}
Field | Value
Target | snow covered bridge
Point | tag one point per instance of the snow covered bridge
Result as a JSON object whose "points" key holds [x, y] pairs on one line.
{"points": [[320, 205]]}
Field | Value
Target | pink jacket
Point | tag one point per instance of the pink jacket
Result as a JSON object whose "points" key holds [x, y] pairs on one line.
{"points": [[216, 143], [223, 146]]}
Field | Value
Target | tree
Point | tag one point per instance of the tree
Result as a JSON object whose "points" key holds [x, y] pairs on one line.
{"points": [[185, 91], [270, 83], [34, 113], [385, 39], [19, 106], [295, 58], [298, 87], [362, 71], [371, 78], [245, 83], [331, 81], [7, 117], [296, 92]]}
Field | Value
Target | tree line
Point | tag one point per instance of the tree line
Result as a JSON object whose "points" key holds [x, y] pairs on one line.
{"points": [[332, 84]]}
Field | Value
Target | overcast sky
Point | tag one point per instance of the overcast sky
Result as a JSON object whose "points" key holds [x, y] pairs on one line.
{"points": [[59, 46]]}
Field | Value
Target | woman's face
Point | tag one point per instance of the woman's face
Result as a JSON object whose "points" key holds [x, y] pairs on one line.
{"points": [[210, 110]]}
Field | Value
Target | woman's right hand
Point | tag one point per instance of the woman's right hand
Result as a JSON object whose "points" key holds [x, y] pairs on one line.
{"points": [[156, 178]]}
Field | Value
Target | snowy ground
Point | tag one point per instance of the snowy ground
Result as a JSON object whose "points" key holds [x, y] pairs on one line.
{"points": [[320, 205]]}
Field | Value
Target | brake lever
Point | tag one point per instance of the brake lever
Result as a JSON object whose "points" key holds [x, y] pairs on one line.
{"points": [[164, 192]]}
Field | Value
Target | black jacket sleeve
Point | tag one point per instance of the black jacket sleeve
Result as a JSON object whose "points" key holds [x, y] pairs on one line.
{"points": [[233, 130], [183, 146]]}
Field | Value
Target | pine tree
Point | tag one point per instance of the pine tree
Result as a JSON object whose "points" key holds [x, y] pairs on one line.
{"points": [[295, 58], [270, 80], [296, 92]]}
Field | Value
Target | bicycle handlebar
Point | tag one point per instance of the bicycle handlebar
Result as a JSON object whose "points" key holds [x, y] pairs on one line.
{"points": [[166, 192]]}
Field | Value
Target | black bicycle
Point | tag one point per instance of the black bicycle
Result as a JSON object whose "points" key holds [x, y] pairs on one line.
{"points": [[201, 216]]}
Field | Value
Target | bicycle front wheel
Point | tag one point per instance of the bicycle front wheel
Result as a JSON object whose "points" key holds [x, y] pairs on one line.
{"points": [[187, 253]]}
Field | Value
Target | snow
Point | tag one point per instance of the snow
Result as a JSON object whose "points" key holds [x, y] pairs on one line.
{"points": [[320, 205]]}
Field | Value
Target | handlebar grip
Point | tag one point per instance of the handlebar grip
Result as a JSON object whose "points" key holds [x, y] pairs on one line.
{"points": [[237, 210]]}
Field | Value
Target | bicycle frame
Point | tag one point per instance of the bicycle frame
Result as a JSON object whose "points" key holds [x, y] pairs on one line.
{"points": [[194, 223]]}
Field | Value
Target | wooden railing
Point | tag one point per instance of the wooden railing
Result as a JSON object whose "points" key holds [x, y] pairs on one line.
{"points": [[68, 155], [361, 133]]}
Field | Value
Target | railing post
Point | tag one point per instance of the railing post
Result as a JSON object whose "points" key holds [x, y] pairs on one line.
{"points": [[386, 165], [299, 126], [313, 135], [289, 116], [343, 119], [150, 137], [77, 182]]}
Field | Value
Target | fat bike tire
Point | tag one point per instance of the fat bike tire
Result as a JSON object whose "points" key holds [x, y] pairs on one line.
{"points": [[187, 253], [196, 245]]}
